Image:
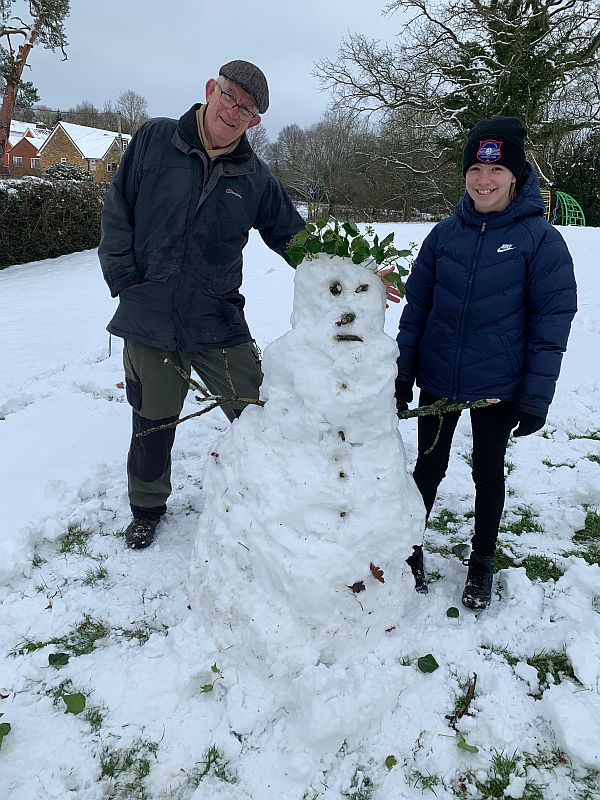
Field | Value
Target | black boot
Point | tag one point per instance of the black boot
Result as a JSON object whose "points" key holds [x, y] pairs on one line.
{"points": [[140, 532], [477, 593]]}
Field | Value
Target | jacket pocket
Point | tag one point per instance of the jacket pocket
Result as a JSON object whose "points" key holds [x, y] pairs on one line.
{"points": [[510, 353], [133, 390]]}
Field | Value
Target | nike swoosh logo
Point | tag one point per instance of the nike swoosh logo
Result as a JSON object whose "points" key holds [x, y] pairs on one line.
{"points": [[504, 247]]}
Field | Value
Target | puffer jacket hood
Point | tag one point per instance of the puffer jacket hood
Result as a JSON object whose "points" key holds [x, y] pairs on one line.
{"points": [[527, 203]]}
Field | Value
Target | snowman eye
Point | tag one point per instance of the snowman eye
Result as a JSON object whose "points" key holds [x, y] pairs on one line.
{"points": [[364, 287], [336, 288]]}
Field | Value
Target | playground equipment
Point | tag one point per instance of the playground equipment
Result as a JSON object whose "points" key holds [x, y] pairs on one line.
{"points": [[564, 211]]}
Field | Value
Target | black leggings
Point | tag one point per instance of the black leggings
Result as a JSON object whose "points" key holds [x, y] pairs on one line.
{"points": [[491, 428]]}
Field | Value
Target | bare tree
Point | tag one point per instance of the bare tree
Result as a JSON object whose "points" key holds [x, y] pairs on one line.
{"points": [[85, 113], [259, 141], [133, 109], [46, 26], [459, 61]]}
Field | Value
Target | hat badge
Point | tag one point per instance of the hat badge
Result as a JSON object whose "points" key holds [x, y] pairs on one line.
{"points": [[489, 151]]}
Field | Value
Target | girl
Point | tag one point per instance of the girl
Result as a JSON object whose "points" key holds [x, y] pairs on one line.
{"points": [[490, 301]]}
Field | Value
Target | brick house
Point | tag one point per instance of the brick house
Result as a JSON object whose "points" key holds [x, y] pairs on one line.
{"points": [[27, 137], [24, 158], [96, 150]]}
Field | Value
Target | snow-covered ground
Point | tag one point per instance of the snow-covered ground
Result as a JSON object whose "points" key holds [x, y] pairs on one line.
{"points": [[170, 715]]}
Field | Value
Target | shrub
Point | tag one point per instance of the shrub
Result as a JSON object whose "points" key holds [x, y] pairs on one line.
{"points": [[45, 219], [67, 172]]}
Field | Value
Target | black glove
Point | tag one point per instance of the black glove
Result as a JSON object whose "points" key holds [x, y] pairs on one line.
{"points": [[404, 395], [528, 423]]}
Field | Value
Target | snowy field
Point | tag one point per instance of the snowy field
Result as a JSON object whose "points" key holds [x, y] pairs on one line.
{"points": [[168, 714]]}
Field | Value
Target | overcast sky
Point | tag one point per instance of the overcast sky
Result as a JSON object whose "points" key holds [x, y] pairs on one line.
{"points": [[166, 50]]}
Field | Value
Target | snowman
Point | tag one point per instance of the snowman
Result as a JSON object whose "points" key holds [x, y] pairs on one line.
{"points": [[309, 512]]}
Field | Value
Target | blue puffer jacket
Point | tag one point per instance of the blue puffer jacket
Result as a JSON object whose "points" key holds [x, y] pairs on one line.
{"points": [[174, 225], [490, 301]]}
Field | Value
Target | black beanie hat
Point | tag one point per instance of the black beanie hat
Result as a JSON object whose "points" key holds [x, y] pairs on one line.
{"points": [[500, 140], [249, 78]]}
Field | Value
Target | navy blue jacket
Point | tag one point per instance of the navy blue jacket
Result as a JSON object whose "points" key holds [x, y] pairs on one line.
{"points": [[490, 301], [174, 225]]}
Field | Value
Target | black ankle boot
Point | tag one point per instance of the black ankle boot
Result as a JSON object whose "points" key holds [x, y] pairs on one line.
{"points": [[477, 593]]}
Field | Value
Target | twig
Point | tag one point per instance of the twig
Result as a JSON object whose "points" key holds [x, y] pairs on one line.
{"points": [[216, 401], [441, 407], [463, 708]]}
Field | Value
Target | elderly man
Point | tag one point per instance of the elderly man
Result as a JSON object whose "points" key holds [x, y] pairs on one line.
{"points": [[174, 225]]}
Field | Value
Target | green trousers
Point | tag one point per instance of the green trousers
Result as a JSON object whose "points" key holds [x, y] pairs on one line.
{"points": [[156, 393]]}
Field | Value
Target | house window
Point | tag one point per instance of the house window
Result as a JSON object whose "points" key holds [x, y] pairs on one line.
{"points": [[17, 161], [92, 164], [125, 144], [63, 161], [35, 163], [111, 166]]}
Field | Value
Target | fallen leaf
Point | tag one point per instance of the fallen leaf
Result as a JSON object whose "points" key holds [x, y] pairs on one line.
{"points": [[427, 663], [376, 572], [390, 629], [75, 703], [357, 587], [58, 659], [120, 385]]}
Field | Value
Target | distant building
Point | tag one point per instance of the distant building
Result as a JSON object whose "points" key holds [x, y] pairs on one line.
{"points": [[96, 150], [19, 131]]}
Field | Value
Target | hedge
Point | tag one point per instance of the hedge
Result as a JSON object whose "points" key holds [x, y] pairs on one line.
{"points": [[41, 218]]}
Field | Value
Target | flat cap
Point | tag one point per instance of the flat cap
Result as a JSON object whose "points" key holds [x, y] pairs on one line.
{"points": [[249, 78]]}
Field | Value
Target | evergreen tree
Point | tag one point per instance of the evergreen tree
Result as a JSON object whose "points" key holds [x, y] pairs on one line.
{"points": [[577, 171], [46, 27]]}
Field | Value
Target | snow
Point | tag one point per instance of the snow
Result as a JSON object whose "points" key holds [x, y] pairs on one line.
{"points": [[311, 696]]}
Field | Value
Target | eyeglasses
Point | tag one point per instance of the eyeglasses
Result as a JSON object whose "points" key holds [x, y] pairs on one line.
{"points": [[229, 101]]}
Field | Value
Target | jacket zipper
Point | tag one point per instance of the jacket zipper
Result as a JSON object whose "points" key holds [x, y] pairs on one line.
{"points": [[463, 317]]}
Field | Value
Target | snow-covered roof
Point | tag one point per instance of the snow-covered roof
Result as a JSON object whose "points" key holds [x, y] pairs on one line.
{"points": [[91, 142], [34, 141], [20, 128]]}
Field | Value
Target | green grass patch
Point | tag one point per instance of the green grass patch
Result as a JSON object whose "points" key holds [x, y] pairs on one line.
{"points": [[445, 521], [591, 529], [554, 663], [75, 540], [141, 633], [595, 435], [94, 718], [215, 764], [504, 652], [595, 457], [551, 465], [541, 567], [78, 642], [525, 524], [503, 560], [362, 787], [38, 560], [127, 769], [434, 576], [500, 773], [426, 782], [94, 576], [509, 467]]}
